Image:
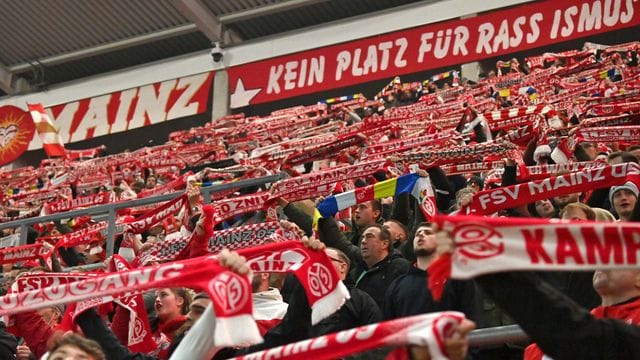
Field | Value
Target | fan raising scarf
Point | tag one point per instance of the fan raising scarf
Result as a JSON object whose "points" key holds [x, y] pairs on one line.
{"points": [[233, 239], [146, 221], [419, 187], [485, 245], [230, 292], [422, 330], [491, 201], [325, 292]]}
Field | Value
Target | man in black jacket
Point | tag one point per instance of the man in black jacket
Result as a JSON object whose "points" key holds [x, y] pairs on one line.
{"points": [[359, 310], [408, 294], [8, 343], [375, 263]]}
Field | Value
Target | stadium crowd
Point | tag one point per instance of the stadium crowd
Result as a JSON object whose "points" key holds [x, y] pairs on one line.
{"points": [[556, 115]]}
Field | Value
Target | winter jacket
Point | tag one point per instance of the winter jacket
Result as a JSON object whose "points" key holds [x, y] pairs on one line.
{"points": [[35, 331], [94, 328], [359, 310], [408, 295], [8, 343], [628, 311], [561, 328], [375, 280]]}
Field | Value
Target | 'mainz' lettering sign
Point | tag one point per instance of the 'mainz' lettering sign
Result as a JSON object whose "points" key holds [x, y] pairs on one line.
{"points": [[132, 108]]}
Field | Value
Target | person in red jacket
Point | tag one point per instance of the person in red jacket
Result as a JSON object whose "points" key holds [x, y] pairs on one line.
{"points": [[171, 304]]}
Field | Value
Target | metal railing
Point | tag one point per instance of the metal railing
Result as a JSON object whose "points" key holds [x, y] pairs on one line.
{"points": [[477, 338], [111, 209], [497, 335]]}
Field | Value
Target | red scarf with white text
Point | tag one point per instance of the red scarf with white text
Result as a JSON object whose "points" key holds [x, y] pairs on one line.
{"points": [[429, 330], [486, 245], [491, 201], [146, 221]]}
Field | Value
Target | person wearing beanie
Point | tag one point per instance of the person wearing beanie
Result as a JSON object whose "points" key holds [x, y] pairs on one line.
{"points": [[623, 198]]}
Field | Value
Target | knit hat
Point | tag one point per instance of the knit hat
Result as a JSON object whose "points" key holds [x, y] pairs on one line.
{"points": [[626, 186]]}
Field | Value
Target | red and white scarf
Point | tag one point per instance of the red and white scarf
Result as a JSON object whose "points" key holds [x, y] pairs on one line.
{"points": [[23, 253], [323, 151], [429, 330], [609, 133], [491, 201], [485, 245], [230, 292], [615, 108], [139, 337], [228, 208], [459, 154], [325, 292], [615, 120], [233, 239], [290, 186], [157, 215]]}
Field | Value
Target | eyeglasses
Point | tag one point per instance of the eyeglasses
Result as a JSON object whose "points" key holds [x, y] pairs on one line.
{"points": [[338, 260]]}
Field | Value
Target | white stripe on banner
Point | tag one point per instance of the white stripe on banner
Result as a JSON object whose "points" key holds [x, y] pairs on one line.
{"points": [[345, 200]]}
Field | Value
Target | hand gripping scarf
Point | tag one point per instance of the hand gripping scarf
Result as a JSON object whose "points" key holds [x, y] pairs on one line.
{"points": [[419, 187], [146, 221], [230, 292], [421, 330], [486, 245], [233, 239]]}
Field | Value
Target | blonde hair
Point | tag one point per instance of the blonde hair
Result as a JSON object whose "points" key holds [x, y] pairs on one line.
{"points": [[603, 215], [591, 215]]}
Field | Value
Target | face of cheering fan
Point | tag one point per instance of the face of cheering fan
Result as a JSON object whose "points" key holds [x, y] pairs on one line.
{"points": [[372, 247], [424, 242], [545, 208], [617, 282], [365, 214], [168, 305], [564, 200], [623, 202]]}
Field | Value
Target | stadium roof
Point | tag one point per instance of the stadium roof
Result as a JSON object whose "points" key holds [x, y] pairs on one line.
{"points": [[46, 42]]}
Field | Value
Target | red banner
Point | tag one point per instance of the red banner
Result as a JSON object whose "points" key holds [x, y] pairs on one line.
{"points": [[132, 108], [432, 46]]}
